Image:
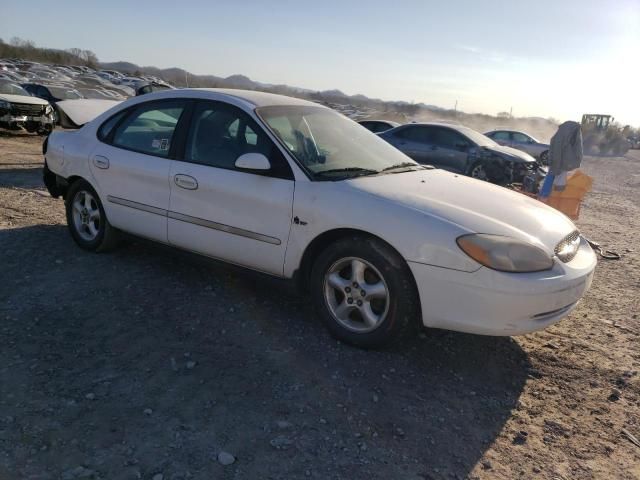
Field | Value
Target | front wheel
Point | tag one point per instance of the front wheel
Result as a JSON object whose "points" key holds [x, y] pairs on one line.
{"points": [[87, 220], [363, 291], [544, 158], [478, 171]]}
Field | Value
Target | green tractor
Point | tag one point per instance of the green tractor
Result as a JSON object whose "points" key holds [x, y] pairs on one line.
{"points": [[602, 136]]}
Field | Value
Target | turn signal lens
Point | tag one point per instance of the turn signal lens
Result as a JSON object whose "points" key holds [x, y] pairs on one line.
{"points": [[504, 253]]}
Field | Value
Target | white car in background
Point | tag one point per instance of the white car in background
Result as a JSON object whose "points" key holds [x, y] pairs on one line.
{"points": [[521, 141], [298, 191]]}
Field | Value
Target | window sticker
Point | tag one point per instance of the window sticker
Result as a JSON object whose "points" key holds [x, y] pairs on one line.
{"points": [[164, 144]]}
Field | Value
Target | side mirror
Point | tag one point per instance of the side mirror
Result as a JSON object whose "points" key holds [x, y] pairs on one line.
{"points": [[253, 161]]}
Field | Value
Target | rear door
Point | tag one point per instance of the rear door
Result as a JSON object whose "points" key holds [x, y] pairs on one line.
{"points": [[221, 211], [131, 166]]}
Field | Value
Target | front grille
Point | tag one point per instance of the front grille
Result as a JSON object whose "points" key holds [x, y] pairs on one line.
{"points": [[19, 109], [573, 239]]}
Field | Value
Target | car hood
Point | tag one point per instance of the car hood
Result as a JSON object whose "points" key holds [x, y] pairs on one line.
{"points": [[511, 154], [6, 97], [81, 111], [473, 205]]}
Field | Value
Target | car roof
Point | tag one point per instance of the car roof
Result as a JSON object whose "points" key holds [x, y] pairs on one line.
{"points": [[435, 124], [509, 130], [388, 122], [252, 98]]}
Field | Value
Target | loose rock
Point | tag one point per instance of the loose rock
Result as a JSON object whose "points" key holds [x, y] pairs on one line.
{"points": [[225, 458]]}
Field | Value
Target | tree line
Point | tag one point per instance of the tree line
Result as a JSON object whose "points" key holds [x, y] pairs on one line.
{"points": [[27, 50]]}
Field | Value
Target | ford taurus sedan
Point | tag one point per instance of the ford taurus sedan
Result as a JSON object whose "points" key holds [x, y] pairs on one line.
{"points": [[298, 191]]}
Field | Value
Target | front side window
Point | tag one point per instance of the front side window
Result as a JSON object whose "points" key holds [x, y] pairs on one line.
{"points": [[149, 128], [220, 133], [450, 139], [416, 134], [328, 145], [521, 138], [501, 136]]}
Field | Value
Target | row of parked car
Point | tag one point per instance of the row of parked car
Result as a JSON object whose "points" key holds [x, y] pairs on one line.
{"points": [[499, 156], [29, 91]]}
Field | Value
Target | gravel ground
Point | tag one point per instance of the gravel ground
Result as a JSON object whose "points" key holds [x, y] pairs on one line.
{"points": [[155, 364]]}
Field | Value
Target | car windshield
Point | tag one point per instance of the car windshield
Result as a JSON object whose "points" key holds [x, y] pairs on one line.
{"points": [[476, 137], [328, 145], [12, 89], [64, 93]]}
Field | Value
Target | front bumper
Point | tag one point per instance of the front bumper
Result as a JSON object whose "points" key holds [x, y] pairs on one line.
{"points": [[10, 119], [488, 302]]}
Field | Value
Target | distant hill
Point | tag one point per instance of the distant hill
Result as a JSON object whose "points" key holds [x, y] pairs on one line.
{"points": [[357, 106]]}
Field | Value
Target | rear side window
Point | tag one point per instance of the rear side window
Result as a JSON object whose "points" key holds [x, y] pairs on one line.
{"points": [[149, 128], [105, 129]]}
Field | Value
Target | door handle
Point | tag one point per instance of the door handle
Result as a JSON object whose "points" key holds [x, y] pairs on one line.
{"points": [[185, 181], [101, 162]]}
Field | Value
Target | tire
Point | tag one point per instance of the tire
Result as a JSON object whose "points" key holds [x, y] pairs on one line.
{"points": [[87, 220], [544, 158], [352, 315], [478, 171]]}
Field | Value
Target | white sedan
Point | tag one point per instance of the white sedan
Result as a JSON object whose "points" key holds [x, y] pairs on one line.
{"points": [[298, 191]]}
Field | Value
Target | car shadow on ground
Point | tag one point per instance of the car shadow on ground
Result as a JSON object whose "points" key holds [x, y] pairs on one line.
{"points": [[28, 178], [157, 357]]}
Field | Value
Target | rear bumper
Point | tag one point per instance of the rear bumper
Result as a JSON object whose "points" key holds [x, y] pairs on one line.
{"points": [[488, 302]]}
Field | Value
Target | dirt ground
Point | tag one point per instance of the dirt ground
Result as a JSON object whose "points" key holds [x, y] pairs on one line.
{"points": [[148, 362]]}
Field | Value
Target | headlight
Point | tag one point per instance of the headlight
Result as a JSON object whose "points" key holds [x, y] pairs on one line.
{"points": [[5, 105], [505, 254], [568, 247], [48, 110]]}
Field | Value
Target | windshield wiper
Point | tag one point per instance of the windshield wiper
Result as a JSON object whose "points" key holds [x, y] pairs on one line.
{"points": [[400, 165], [357, 170]]}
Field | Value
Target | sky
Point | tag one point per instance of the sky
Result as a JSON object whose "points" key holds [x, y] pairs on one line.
{"points": [[548, 58]]}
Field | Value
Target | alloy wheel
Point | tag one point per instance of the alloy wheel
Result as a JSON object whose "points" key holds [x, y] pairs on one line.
{"points": [[356, 294], [86, 215], [478, 172]]}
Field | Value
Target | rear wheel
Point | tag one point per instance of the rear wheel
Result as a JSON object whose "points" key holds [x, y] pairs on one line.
{"points": [[363, 291], [87, 220]]}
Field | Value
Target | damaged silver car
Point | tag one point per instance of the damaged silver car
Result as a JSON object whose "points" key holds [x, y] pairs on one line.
{"points": [[463, 150], [21, 111]]}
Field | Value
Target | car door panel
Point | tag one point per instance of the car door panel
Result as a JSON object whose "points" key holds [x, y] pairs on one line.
{"points": [[135, 190], [134, 185], [448, 149], [224, 212], [235, 216]]}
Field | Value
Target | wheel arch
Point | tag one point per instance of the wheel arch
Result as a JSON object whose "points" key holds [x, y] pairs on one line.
{"points": [[65, 183], [323, 240]]}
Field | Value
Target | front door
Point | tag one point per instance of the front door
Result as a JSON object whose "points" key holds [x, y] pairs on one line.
{"points": [[451, 149], [224, 212]]}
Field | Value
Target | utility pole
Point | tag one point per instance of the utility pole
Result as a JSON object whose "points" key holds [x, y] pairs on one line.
{"points": [[455, 109], [511, 112]]}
